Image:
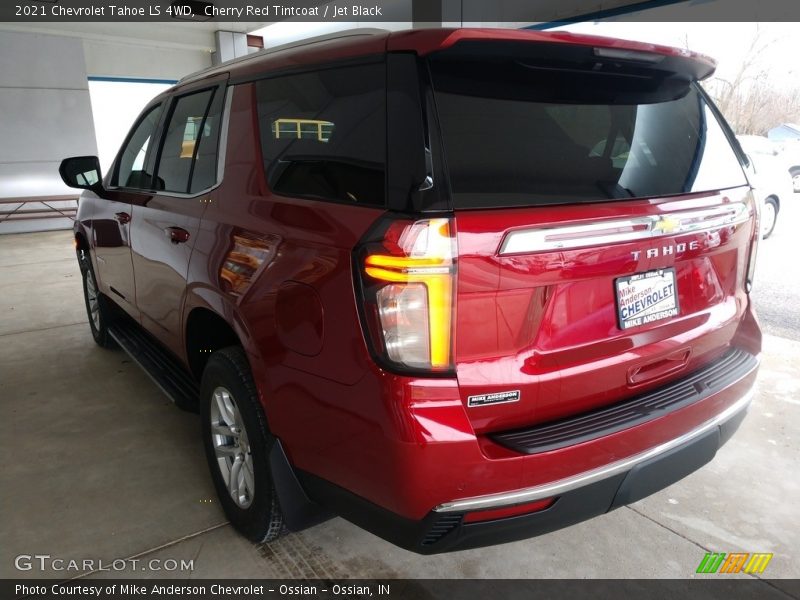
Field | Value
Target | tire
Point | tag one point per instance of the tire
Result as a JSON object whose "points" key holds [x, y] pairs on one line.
{"points": [[237, 441], [769, 217], [794, 172], [97, 308]]}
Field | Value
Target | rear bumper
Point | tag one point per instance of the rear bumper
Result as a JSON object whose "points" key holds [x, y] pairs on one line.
{"points": [[577, 498], [690, 446]]}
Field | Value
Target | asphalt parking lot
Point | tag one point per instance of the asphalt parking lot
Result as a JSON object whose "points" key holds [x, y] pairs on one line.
{"points": [[99, 465]]}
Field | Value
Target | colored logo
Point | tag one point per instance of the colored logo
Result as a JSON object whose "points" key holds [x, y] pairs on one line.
{"points": [[735, 562], [666, 224]]}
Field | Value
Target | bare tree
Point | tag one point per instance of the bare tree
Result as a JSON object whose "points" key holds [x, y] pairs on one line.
{"points": [[750, 100]]}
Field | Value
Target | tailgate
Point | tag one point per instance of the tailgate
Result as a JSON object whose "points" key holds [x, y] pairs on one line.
{"points": [[543, 333], [604, 226]]}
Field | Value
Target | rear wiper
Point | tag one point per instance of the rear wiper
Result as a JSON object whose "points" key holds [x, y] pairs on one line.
{"points": [[612, 189]]}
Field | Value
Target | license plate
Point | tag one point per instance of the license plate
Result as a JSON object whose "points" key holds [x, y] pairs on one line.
{"points": [[646, 297]]}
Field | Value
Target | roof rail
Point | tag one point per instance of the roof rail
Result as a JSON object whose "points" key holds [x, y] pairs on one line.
{"points": [[361, 31]]}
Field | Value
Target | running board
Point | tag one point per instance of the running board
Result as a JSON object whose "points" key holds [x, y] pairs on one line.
{"points": [[165, 371]]}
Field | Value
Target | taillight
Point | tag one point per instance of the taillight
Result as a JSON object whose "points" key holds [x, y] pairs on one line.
{"points": [[406, 270], [755, 240]]}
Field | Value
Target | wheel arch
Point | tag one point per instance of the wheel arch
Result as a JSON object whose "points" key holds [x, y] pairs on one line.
{"points": [[211, 322], [206, 331], [81, 243]]}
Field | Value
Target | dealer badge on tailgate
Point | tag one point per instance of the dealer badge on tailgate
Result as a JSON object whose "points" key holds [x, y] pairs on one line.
{"points": [[646, 297]]}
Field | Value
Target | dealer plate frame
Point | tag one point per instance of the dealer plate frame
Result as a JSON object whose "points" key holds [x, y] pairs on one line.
{"points": [[637, 278]]}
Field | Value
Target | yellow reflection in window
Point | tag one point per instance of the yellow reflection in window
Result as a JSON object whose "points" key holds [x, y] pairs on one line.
{"points": [[302, 129]]}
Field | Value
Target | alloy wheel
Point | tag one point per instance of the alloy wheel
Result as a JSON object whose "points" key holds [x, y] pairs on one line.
{"points": [[93, 299], [232, 447]]}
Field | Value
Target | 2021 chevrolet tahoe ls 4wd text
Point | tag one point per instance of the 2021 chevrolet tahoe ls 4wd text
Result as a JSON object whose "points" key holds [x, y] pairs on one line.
{"points": [[458, 286]]}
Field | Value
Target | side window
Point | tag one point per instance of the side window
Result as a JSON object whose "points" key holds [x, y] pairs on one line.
{"points": [[188, 159], [130, 171], [323, 134]]}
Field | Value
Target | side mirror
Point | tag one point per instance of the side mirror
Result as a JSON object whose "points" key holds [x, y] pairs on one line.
{"points": [[82, 172]]}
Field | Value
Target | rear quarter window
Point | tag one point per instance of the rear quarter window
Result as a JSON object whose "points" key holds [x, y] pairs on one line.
{"points": [[323, 134]]}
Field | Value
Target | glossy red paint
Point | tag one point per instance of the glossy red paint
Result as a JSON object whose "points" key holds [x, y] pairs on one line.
{"points": [[543, 323], [426, 41]]}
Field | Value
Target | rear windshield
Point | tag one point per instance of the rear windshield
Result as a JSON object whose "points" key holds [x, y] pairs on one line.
{"points": [[516, 135]]}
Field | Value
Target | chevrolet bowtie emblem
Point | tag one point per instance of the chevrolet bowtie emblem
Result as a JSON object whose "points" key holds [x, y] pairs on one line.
{"points": [[666, 224]]}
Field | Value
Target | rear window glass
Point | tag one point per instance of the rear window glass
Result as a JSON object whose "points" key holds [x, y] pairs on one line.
{"points": [[518, 136], [323, 134]]}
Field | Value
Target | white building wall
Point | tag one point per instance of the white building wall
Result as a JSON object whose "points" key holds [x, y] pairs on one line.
{"points": [[49, 110], [46, 115], [131, 74], [143, 61]]}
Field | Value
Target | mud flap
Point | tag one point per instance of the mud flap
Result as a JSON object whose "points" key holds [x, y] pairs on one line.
{"points": [[299, 511]]}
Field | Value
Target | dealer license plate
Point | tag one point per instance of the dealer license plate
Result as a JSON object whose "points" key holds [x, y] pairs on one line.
{"points": [[646, 297]]}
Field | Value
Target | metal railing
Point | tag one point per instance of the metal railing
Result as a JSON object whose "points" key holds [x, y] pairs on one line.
{"points": [[46, 211]]}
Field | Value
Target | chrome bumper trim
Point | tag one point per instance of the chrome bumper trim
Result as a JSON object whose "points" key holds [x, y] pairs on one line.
{"points": [[556, 488]]}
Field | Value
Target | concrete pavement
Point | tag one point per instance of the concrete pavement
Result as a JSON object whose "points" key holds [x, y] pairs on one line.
{"points": [[99, 465], [777, 286]]}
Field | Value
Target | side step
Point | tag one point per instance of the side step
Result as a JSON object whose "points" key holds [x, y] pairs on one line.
{"points": [[163, 368]]}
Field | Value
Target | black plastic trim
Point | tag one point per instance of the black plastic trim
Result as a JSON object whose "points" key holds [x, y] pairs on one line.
{"points": [[405, 132], [160, 365], [299, 511], [731, 367], [268, 72]]}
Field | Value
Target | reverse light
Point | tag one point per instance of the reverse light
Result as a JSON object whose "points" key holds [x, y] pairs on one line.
{"points": [[408, 281]]}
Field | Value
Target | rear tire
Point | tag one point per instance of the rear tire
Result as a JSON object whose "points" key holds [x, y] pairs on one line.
{"points": [[237, 444], [795, 174], [769, 217], [97, 308]]}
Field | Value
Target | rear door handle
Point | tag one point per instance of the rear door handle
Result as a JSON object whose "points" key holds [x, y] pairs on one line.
{"points": [[177, 235], [123, 218], [659, 368]]}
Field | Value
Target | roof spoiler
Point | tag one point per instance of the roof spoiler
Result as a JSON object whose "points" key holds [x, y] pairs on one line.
{"points": [[556, 45]]}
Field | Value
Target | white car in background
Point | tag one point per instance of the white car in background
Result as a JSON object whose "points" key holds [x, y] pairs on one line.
{"points": [[768, 176], [786, 137], [790, 155]]}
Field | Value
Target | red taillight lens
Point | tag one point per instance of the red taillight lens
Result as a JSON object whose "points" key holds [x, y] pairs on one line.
{"points": [[407, 278]]}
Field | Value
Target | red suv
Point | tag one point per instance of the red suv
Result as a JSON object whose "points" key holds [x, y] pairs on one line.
{"points": [[459, 287]]}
